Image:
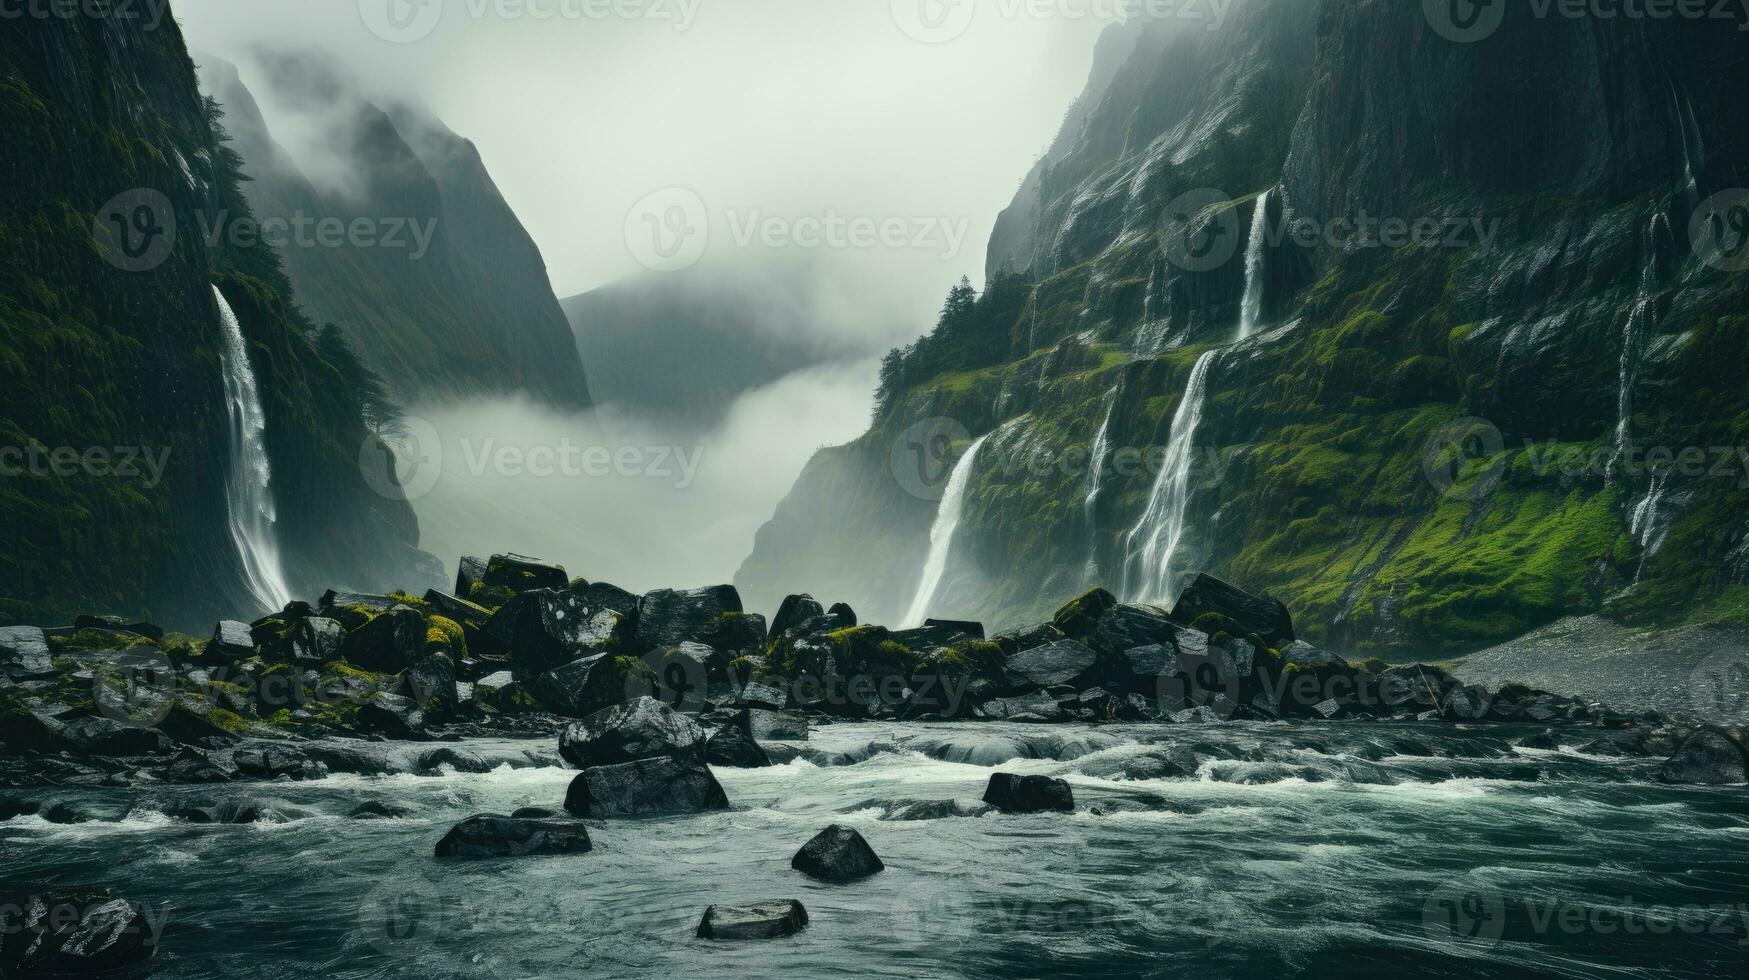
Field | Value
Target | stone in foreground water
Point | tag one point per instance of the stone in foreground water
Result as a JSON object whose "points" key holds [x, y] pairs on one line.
{"points": [[762, 920]]}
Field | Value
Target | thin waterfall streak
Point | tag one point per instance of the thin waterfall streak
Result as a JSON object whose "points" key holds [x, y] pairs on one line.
{"points": [[1251, 305], [1154, 544], [947, 522]]}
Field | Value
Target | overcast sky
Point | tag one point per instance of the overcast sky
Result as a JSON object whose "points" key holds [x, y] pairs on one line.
{"points": [[754, 109]]}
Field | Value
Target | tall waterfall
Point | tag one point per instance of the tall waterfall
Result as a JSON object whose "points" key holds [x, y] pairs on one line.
{"points": [[1153, 545], [1095, 474], [1251, 307], [1638, 326], [247, 485], [947, 523]]}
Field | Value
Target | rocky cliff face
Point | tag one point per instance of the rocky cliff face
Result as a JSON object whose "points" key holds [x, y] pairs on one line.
{"points": [[1426, 443], [111, 340], [470, 311]]}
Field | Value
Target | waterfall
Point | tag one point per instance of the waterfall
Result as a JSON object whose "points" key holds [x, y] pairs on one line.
{"points": [[947, 523], [1153, 544], [1095, 472], [248, 493], [1251, 307], [1640, 319]]}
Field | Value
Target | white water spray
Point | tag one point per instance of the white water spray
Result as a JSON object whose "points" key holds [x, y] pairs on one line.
{"points": [[1153, 545], [1251, 306], [248, 490], [1096, 472], [947, 523]]}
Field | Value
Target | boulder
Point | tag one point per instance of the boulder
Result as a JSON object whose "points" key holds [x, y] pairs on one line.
{"points": [[841, 617], [1038, 707], [1708, 758], [231, 642], [1079, 616], [454, 759], [580, 688], [522, 574], [1303, 653], [315, 641], [762, 696], [118, 624], [389, 643], [1245, 614], [471, 572], [764, 920], [430, 683], [911, 810], [603, 595], [98, 736], [497, 691], [455, 608], [837, 854], [960, 626], [270, 761], [930, 636], [635, 730], [732, 746], [338, 605], [380, 810], [391, 715], [494, 836], [551, 628], [1029, 794], [778, 726], [1022, 640], [796, 610], [537, 813], [75, 934], [1064, 662], [189, 727], [1467, 703], [1126, 626], [712, 616], [30, 731], [647, 787], [24, 653]]}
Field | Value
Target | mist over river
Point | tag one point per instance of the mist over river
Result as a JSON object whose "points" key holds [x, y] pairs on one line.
{"points": [[1235, 850]]}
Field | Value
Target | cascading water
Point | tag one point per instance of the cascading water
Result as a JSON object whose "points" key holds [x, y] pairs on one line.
{"points": [[1153, 545], [1095, 473], [248, 485], [947, 523], [1635, 330], [1251, 306]]}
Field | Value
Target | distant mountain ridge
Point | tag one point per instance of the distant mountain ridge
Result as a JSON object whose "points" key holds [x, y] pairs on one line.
{"points": [[467, 311]]}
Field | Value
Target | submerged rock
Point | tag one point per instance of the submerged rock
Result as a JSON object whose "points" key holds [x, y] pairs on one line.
{"points": [[74, 934], [1709, 758], [648, 787], [641, 729], [837, 854], [1029, 794], [494, 836], [910, 810], [764, 920]]}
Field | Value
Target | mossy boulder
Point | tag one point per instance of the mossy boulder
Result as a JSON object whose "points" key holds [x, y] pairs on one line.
{"points": [[1079, 616]]}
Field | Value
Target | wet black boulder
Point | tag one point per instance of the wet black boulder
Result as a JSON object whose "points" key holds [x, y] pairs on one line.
{"points": [[837, 854], [648, 787], [641, 729], [1708, 758], [75, 934], [1029, 794], [494, 836], [1240, 613], [762, 920]]}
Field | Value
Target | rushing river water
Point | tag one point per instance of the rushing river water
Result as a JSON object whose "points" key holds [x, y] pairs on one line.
{"points": [[1323, 851]]}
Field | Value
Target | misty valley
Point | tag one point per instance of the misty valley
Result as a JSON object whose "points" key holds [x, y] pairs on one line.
{"points": [[497, 489]]}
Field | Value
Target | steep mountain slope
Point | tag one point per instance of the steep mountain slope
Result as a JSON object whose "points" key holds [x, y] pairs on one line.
{"points": [[471, 312], [682, 347], [1425, 445], [109, 344]]}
